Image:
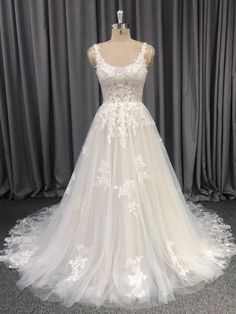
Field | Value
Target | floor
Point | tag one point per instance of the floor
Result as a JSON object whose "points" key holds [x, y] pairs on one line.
{"points": [[218, 297]]}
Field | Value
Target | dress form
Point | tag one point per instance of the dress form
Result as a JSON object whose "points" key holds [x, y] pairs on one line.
{"points": [[121, 49]]}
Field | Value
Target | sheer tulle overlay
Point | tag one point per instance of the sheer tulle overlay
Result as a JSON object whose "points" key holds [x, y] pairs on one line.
{"points": [[122, 233]]}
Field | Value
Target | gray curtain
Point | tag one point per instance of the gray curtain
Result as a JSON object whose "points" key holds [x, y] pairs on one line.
{"points": [[49, 93]]}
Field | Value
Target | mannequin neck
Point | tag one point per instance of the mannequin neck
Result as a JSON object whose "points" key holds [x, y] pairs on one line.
{"points": [[123, 36]]}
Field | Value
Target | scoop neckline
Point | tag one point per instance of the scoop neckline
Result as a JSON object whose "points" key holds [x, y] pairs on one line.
{"points": [[124, 66]]}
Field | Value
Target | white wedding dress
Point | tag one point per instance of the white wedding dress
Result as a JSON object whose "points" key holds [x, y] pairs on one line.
{"points": [[123, 232]]}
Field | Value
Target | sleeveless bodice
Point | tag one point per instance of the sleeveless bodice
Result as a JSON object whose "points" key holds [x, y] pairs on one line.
{"points": [[122, 110], [121, 83]]}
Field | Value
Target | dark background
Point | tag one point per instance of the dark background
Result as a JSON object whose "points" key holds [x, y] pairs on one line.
{"points": [[49, 93]]}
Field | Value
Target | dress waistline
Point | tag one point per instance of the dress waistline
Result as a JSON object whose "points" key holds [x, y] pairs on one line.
{"points": [[122, 102]]}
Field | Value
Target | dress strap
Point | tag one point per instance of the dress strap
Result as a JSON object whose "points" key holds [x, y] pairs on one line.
{"points": [[96, 50], [144, 45], [143, 50]]}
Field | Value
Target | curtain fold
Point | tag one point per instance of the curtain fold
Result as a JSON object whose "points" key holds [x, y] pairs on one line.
{"points": [[49, 93]]}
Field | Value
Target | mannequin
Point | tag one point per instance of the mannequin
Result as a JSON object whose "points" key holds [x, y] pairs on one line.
{"points": [[121, 49]]}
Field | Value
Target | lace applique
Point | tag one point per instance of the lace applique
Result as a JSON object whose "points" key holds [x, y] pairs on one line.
{"points": [[78, 264], [141, 169], [136, 278], [84, 148], [67, 191], [183, 271], [20, 244], [87, 142], [103, 177], [132, 207], [20, 258], [127, 189], [121, 119], [77, 204], [217, 232], [223, 262]]}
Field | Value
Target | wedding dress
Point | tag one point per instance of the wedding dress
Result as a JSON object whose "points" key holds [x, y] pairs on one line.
{"points": [[123, 232]]}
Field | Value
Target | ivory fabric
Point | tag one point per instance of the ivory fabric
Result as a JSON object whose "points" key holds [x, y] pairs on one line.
{"points": [[123, 232]]}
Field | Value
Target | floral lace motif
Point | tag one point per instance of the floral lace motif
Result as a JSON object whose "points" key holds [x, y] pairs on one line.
{"points": [[78, 263], [21, 242], [87, 142], [22, 257], [127, 189], [176, 259], [120, 119], [217, 232], [103, 177], [136, 278], [67, 191], [84, 148], [141, 169], [77, 204]]}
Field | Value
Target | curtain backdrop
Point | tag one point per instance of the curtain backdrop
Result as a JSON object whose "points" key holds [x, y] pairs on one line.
{"points": [[49, 93]]}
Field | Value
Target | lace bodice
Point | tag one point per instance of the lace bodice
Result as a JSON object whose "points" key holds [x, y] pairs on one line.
{"points": [[121, 83], [122, 110]]}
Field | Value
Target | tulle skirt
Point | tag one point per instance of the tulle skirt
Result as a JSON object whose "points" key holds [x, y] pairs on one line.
{"points": [[123, 233]]}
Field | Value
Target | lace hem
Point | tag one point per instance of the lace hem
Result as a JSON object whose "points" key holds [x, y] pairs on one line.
{"points": [[218, 247]]}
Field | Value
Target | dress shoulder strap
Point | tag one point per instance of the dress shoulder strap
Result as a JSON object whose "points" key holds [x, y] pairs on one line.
{"points": [[97, 54], [141, 56], [95, 47], [144, 45]]}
